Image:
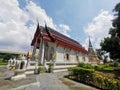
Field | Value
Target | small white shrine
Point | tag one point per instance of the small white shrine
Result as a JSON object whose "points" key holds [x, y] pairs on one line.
{"points": [[22, 67]]}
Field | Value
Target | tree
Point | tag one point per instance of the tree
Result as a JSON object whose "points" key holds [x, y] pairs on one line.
{"points": [[112, 44], [7, 57]]}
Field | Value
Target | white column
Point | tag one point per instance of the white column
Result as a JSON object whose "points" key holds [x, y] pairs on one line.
{"points": [[55, 52], [42, 54], [34, 50], [39, 54], [41, 51]]}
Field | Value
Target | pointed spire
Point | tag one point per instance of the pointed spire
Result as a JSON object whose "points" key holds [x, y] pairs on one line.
{"points": [[48, 32], [46, 28], [90, 44], [37, 24], [91, 54], [90, 48], [45, 23]]}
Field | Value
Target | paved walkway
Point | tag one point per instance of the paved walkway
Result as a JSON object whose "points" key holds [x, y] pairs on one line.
{"points": [[44, 81], [54, 81], [49, 81]]}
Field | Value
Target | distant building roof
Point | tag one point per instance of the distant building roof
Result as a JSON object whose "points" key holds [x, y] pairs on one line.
{"points": [[3, 50]]}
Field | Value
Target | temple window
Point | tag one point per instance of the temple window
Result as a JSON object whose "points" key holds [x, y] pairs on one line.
{"points": [[84, 59], [22, 65], [67, 56], [77, 58]]}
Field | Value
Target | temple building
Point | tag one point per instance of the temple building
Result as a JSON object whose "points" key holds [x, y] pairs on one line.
{"points": [[57, 49]]}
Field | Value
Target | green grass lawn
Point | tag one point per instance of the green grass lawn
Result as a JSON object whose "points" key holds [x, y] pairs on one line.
{"points": [[3, 63], [109, 68]]}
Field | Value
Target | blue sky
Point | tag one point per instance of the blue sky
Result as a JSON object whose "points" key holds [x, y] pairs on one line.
{"points": [[75, 13], [77, 19]]}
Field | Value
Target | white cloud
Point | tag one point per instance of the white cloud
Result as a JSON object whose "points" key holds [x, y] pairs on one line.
{"points": [[17, 26], [12, 24], [37, 13], [64, 29], [98, 28]]}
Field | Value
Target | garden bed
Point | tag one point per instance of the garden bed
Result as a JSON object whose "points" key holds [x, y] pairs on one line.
{"points": [[88, 75]]}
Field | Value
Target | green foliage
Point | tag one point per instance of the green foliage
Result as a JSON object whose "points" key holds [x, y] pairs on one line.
{"points": [[100, 67], [81, 64], [109, 68], [112, 44], [87, 66], [81, 73], [39, 64], [41, 69], [6, 57], [1, 56], [116, 64], [104, 81], [97, 67], [103, 67], [117, 68], [50, 68], [98, 79], [3, 63]]}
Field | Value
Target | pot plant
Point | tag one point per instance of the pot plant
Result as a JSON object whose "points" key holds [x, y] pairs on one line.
{"points": [[50, 68]]}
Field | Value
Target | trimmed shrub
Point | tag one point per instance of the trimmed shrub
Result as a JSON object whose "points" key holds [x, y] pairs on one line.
{"points": [[88, 66], [101, 67], [117, 68], [109, 68], [81, 64], [95, 78], [97, 67], [81, 74], [116, 64]]}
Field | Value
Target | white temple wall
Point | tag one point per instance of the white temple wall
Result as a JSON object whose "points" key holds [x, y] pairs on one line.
{"points": [[79, 57], [87, 59], [50, 46], [61, 60], [84, 58], [62, 51], [73, 56], [60, 54]]}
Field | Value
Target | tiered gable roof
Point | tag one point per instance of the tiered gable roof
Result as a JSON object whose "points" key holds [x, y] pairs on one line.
{"points": [[49, 34]]}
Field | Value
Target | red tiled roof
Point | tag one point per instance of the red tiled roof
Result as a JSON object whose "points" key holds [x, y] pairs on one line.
{"points": [[60, 39]]}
